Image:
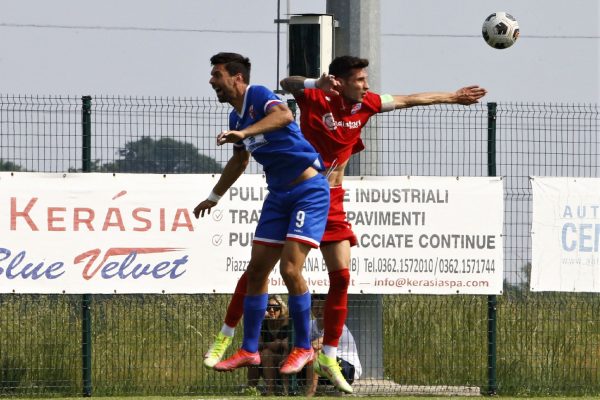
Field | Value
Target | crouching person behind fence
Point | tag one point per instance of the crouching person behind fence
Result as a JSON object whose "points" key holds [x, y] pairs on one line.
{"points": [[347, 354], [273, 347]]}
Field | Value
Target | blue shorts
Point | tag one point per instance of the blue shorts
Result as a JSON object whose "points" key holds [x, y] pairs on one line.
{"points": [[296, 213]]}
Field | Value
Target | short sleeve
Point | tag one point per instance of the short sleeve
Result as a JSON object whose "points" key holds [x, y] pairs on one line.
{"points": [[307, 96], [264, 98], [372, 103]]}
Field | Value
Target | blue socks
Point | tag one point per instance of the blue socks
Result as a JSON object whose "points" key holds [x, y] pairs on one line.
{"points": [[300, 313], [254, 313]]}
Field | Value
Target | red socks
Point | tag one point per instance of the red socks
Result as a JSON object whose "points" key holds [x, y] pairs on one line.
{"points": [[336, 306], [235, 310]]}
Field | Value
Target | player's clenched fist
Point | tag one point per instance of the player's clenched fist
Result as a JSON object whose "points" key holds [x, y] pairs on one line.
{"points": [[229, 137]]}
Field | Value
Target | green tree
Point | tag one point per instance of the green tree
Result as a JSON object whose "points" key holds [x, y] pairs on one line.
{"points": [[10, 166], [162, 156], [95, 166]]}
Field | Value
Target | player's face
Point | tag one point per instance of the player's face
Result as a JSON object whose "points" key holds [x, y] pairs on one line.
{"points": [[355, 87], [223, 83]]}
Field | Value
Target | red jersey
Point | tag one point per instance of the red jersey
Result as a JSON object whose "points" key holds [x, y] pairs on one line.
{"points": [[332, 124]]}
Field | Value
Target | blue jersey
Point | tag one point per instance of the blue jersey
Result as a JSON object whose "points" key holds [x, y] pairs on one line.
{"points": [[283, 153]]}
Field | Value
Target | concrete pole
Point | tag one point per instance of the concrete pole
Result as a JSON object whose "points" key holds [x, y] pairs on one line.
{"points": [[358, 34]]}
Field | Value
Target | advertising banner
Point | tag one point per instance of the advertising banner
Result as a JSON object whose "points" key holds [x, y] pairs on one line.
{"points": [[136, 233], [565, 234]]}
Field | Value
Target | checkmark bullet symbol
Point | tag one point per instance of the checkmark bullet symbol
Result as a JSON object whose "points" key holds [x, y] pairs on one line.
{"points": [[217, 240], [218, 215]]}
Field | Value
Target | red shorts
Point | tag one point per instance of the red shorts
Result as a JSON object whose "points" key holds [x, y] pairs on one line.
{"points": [[338, 228]]}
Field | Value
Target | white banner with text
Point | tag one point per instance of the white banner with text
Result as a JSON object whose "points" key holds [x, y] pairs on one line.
{"points": [[136, 233], [565, 234]]}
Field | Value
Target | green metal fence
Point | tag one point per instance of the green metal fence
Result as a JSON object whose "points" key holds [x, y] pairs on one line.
{"points": [[519, 343]]}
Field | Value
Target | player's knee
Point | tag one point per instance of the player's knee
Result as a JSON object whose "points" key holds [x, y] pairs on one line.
{"points": [[289, 272], [254, 275]]}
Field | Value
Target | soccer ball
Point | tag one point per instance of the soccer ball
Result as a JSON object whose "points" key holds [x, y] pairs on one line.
{"points": [[500, 30]]}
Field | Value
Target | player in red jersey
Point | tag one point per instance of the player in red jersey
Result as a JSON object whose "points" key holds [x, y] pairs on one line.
{"points": [[333, 111]]}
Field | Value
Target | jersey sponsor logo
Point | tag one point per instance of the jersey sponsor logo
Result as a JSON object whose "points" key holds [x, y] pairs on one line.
{"points": [[349, 124], [331, 123], [254, 142]]}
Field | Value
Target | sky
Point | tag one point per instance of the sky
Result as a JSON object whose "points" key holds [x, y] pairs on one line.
{"points": [[162, 47]]}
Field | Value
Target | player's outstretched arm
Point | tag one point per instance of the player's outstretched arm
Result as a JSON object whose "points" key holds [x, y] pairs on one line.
{"points": [[234, 168], [465, 96], [296, 84]]}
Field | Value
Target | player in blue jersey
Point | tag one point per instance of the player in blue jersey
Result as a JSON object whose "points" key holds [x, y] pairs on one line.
{"points": [[294, 214]]}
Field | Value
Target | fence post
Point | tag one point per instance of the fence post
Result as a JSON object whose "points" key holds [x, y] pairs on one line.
{"points": [[492, 300], [86, 320]]}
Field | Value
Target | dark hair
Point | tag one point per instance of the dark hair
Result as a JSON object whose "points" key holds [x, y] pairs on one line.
{"points": [[234, 64], [342, 66]]}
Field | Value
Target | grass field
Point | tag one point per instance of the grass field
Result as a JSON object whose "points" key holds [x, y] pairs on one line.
{"points": [[151, 345], [324, 398]]}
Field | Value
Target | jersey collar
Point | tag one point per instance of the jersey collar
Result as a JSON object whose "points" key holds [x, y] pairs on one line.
{"points": [[244, 104]]}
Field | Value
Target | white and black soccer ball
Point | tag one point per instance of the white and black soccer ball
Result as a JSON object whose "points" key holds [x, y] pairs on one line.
{"points": [[500, 30]]}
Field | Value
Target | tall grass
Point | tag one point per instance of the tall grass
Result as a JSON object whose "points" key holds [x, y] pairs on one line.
{"points": [[435, 340], [546, 343], [153, 345], [40, 345], [549, 343]]}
